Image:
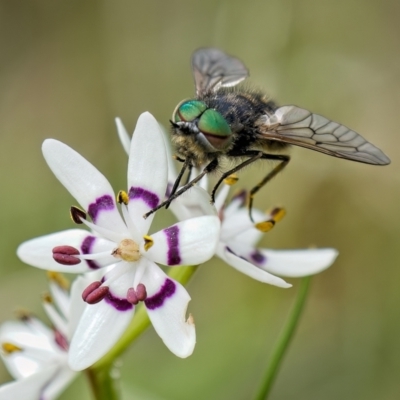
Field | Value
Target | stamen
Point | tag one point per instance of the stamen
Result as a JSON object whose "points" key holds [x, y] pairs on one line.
{"points": [[61, 340], [148, 242], [95, 292], [65, 255], [10, 348], [59, 279], [77, 215], [131, 296], [141, 292], [265, 226], [122, 197], [47, 298], [134, 296], [128, 250], [277, 213], [231, 179]]}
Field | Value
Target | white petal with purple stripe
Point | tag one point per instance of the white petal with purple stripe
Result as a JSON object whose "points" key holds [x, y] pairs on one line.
{"points": [[189, 242], [39, 251], [85, 183], [166, 306], [147, 172], [249, 269]]}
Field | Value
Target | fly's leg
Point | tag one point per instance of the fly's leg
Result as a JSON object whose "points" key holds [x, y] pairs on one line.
{"points": [[254, 156], [284, 160], [249, 161], [186, 164], [209, 168]]}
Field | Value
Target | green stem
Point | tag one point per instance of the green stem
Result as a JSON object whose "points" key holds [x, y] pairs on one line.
{"points": [[284, 340], [104, 385]]}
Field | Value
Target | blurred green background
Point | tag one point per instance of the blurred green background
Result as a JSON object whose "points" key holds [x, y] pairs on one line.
{"points": [[69, 67]]}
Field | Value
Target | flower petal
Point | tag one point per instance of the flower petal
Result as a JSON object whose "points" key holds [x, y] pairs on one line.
{"points": [[249, 269], [193, 203], [147, 170], [58, 383], [123, 135], [101, 325], [29, 388], [189, 242], [88, 186], [166, 305], [295, 263], [39, 251]]}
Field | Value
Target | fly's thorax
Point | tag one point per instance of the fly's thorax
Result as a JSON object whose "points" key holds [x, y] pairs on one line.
{"points": [[199, 131]]}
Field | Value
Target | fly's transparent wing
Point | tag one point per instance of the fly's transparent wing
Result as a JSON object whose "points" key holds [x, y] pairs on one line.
{"points": [[294, 125], [213, 68]]}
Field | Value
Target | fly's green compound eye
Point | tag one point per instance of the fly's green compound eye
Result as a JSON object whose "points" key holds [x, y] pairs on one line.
{"points": [[189, 111], [213, 123]]}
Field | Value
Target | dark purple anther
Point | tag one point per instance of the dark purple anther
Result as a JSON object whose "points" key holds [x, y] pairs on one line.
{"points": [[131, 296], [95, 293], [134, 296], [65, 255], [141, 292], [61, 340]]}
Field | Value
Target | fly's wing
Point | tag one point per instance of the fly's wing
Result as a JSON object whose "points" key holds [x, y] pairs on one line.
{"points": [[294, 125], [213, 68]]}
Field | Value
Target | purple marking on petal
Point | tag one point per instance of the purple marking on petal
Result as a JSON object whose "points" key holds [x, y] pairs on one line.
{"points": [[151, 199], [169, 189], [118, 303], [86, 248], [157, 300], [103, 203], [173, 255], [258, 257]]}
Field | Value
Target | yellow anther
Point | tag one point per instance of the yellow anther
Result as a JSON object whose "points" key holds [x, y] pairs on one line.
{"points": [[46, 297], [277, 213], [10, 348], [59, 279], [128, 250], [148, 242], [122, 197], [265, 226], [231, 179]]}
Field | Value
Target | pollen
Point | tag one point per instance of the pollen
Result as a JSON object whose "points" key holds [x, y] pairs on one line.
{"points": [[122, 197], [277, 213], [128, 250], [59, 279], [190, 320], [265, 226], [148, 242], [47, 298], [231, 179], [10, 348]]}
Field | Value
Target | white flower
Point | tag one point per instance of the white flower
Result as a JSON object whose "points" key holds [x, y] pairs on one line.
{"points": [[238, 235], [36, 355], [124, 247]]}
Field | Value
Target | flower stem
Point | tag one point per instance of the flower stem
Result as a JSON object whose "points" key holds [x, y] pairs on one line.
{"points": [[284, 340], [104, 385]]}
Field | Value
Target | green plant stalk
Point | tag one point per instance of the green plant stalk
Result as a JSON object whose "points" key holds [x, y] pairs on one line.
{"points": [[284, 340], [104, 385]]}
